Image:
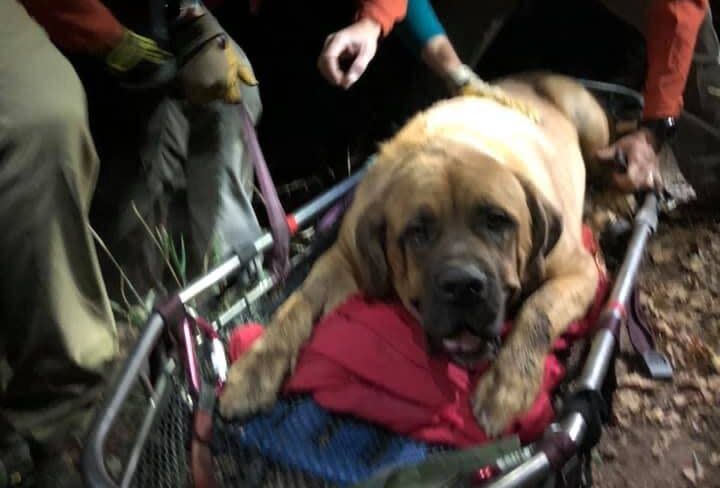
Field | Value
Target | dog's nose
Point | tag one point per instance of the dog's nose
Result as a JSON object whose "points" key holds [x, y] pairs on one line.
{"points": [[461, 286]]}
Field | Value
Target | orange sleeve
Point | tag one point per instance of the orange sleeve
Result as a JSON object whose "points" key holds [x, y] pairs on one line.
{"points": [[385, 12], [672, 30], [77, 25]]}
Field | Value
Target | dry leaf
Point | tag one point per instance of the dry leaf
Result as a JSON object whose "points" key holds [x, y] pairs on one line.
{"points": [[608, 452], [715, 459], [638, 382], [674, 419], [660, 254], [694, 264], [657, 450], [655, 415], [699, 470], [680, 400], [689, 473], [630, 400], [664, 329]]}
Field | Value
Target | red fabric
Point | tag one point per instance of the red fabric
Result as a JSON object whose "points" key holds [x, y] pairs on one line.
{"points": [[369, 359], [77, 25], [672, 30]]}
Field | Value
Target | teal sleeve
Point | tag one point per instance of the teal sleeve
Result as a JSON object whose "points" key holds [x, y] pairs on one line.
{"points": [[420, 25]]}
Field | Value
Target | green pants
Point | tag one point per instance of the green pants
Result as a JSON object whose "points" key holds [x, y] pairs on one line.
{"points": [[57, 333]]}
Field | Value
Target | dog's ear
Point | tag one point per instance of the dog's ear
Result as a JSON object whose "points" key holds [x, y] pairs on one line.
{"points": [[370, 234], [545, 224]]}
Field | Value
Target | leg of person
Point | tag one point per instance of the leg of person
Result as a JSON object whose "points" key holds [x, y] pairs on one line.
{"points": [[57, 334], [220, 176]]}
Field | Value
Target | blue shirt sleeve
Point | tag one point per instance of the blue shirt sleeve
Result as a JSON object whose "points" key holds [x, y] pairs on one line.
{"points": [[420, 25]]}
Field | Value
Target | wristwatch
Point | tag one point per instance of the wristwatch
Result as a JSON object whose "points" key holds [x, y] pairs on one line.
{"points": [[663, 128]]}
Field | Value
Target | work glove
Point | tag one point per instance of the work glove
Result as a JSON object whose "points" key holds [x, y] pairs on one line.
{"points": [[138, 61], [211, 67]]}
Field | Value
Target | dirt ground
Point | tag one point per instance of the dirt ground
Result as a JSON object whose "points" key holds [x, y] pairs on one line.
{"points": [[668, 434]]}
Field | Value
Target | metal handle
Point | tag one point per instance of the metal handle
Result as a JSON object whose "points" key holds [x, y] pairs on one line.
{"points": [[93, 456], [601, 353]]}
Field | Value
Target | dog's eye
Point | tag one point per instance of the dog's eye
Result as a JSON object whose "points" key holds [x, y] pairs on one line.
{"points": [[417, 235], [495, 220]]}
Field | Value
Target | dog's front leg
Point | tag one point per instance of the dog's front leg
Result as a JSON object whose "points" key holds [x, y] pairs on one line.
{"points": [[255, 379], [511, 385]]}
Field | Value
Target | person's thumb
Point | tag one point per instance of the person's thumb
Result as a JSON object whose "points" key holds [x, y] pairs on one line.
{"points": [[358, 67], [246, 74]]}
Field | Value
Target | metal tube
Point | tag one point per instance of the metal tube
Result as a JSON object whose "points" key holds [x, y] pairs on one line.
{"points": [[603, 346], [156, 403], [93, 455], [531, 471], [258, 291], [574, 425], [598, 361], [303, 216], [601, 354], [645, 224], [310, 211]]}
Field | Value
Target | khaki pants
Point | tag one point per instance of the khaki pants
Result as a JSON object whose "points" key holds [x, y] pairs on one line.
{"points": [[57, 333]]}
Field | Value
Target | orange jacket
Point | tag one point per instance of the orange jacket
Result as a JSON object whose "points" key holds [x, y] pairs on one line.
{"points": [[88, 26], [672, 30]]}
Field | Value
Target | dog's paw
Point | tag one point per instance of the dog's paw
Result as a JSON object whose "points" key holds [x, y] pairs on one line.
{"points": [[254, 381], [502, 395]]}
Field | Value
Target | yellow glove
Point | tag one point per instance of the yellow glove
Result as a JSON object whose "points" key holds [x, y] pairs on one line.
{"points": [[138, 60], [211, 67]]}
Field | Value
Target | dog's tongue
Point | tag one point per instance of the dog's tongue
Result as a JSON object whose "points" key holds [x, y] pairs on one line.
{"points": [[465, 342]]}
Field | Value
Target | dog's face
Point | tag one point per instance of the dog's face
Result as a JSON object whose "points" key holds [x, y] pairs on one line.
{"points": [[455, 239]]}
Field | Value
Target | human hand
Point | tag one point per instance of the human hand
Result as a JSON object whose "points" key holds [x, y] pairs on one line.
{"points": [[354, 45], [138, 61], [640, 151], [212, 67]]}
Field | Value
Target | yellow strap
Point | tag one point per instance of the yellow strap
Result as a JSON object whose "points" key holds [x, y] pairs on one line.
{"points": [[479, 88]]}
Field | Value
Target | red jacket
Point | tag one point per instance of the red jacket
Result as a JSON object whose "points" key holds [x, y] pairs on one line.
{"points": [[673, 25], [672, 30]]}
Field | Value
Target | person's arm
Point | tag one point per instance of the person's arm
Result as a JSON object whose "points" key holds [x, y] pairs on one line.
{"points": [[357, 44], [671, 33], [672, 30], [385, 12], [77, 25]]}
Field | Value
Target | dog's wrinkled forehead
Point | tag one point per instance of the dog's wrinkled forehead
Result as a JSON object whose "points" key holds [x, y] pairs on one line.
{"points": [[447, 187]]}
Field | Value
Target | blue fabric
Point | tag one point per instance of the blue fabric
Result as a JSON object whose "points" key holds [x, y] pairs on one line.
{"points": [[300, 435], [420, 25]]}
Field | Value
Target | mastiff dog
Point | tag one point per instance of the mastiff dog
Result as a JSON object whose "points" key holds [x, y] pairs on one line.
{"points": [[471, 212]]}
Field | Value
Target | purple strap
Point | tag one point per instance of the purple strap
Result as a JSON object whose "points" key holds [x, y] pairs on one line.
{"points": [[276, 214], [657, 365], [336, 212], [558, 447]]}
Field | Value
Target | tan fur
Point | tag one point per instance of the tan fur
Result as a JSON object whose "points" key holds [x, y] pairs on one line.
{"points": [[457, 150]]}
